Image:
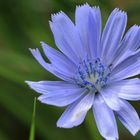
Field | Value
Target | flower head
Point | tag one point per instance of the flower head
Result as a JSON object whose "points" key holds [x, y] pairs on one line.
{"points": [[94, 68]]}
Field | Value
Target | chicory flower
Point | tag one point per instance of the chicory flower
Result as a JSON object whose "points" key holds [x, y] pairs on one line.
{"points": [[95, 68]]}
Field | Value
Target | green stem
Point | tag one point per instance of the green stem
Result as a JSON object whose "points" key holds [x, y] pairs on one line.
{"points": [[32, 129]]}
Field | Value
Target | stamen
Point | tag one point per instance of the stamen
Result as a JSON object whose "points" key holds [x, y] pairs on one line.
{"points": [[92, 74]]}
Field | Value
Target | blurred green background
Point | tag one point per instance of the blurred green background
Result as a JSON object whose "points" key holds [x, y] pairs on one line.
{"points": [[23, 24]]}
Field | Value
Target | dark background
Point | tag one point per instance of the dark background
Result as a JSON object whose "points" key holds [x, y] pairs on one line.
{"points": [[23, 24]]}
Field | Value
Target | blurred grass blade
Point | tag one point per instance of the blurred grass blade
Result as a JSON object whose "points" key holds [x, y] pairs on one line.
{"points": [[32, 129]]}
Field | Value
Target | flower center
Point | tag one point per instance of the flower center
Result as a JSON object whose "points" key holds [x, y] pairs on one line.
{"points": [[92, 74]]}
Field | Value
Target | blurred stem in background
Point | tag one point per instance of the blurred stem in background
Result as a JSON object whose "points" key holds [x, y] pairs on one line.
{"points": [[91, 127], [32, 129]]}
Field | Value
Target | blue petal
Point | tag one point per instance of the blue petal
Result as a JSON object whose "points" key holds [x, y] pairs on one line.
{"points": [[129, 117], [37, 55], [128, 45], [110, 97], [59, 61], [76, 112], [57, 93], [127, 89], [112, 35], [105, 119], [128, 68], [66, 37], [88, 23], [62, 97], [44, 87]]}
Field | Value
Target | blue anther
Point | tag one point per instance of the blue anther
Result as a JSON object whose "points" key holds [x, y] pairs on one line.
{"points": [[92, 74]]}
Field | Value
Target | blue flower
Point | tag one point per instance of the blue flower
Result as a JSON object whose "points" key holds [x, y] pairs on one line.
{"points": [[94, 68]]}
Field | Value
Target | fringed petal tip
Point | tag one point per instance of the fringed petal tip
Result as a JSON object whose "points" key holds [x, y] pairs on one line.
{"points": [[29, 83], [38, 87], [45, 47], [41, 98], [33, 85], [137, 130], [86, 5], [83, 5], [57, 15], [119, 10], [41, 42], [129, 117], [120, 13], [135, 133], [34, 51], [136, 26], [64, 126]]}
